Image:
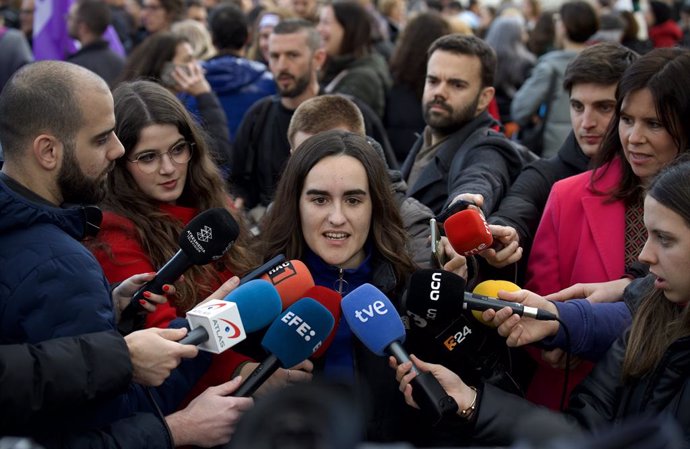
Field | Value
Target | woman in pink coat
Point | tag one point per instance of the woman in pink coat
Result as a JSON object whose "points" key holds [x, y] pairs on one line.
{"points": [[592, 228]]}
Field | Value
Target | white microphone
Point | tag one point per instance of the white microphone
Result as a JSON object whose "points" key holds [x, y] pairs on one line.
{"points": [[221, 324]]}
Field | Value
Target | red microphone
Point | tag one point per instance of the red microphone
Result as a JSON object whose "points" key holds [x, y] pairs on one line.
{"points": [[292, 279], [330, 299], [468, 232]]}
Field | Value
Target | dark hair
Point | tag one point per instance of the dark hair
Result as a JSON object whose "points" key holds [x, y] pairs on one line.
{"points": [[356, 25], [658, 322], [95, 14], [471, 46], [541, 39], [631, 28], [408, 62], [663, 72], [661, 11], [147, 60], [144, 103], [291, 26], [283, 234], [579, 19], [602, 64], [43, 97], [173, 8], [229, 27]]}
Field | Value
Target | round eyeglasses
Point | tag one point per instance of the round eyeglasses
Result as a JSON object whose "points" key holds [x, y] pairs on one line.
{"points": [[150, 161]]}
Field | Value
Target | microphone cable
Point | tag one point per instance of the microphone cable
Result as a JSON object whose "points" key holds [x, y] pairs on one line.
{"points": [[564, 393]]}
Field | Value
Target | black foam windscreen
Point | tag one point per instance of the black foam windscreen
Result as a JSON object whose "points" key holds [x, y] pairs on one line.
{"points": [[208, 236], [435, 296]]}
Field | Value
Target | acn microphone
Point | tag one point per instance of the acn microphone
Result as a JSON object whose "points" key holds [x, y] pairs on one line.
{"points": [[248, 308], [439, 285], [374, 320], [295, 335]]}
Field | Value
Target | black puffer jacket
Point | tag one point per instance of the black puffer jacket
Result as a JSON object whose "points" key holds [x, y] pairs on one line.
{"points": [[600, 401], [45, 382]]}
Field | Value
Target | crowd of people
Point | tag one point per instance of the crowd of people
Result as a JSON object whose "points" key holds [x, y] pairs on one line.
{"points": [[340, 135]]}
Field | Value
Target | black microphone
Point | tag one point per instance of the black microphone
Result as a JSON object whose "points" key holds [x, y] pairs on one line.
{"points": [[440, 290], [205, 239], [261, 270]]}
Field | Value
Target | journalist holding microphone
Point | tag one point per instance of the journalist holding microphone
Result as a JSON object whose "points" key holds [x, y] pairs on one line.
{"points": [[57, 133]]}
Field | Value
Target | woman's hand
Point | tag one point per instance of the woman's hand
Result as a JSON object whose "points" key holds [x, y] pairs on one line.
{"points": [[506, 249], [611, 291], [451, 382], [122, 294], [302, 372], [456, 262], [519, 330], [190, 78]]}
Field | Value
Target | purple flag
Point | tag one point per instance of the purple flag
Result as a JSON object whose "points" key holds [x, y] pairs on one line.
{"points": [[50, 37]]}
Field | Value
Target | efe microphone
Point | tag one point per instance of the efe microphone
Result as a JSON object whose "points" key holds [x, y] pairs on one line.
{"points": [[292, 337], [374, 320], [246, 309]]}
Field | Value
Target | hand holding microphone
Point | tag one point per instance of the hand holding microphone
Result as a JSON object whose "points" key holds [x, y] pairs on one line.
{"points": [[465, 397], [205, 239], [520, 331], [296, 334], [374, 320], [218, 325]]}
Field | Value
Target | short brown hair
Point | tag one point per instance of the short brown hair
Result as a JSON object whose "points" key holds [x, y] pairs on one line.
{"points": [[468, 46], [324, 113]]}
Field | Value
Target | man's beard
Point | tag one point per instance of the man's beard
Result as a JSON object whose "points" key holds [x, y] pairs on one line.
{"points": [[75, 186], [448, 124], [299, 87]]}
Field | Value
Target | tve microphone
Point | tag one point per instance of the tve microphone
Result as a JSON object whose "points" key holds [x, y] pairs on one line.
{"points": [[294, 336], [251, 307], [205, 239], [259, 271], [330, 299], [374, 320], [291, 278], [440, 282], [467, 232]]}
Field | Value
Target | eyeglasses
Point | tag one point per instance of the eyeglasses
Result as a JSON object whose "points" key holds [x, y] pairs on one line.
{"points": [[150, 161]]}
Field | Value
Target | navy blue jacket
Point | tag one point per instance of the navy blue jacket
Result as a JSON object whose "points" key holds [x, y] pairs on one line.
{"points": [[238, 83], [51, 286]]}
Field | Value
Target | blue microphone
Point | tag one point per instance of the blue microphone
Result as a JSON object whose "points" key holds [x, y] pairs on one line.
{"points": [[292, 337], [258, 303], [375, 321]]}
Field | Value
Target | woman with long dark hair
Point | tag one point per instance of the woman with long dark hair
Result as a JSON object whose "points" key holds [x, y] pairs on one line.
{"points": [[592, 229], [352, 67], [164, 180], [647, 369]]}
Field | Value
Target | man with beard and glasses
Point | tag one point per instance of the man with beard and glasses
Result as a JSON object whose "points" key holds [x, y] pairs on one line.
{"points": [[460, 153], [238, 82], [261, 147], [57, 124]]}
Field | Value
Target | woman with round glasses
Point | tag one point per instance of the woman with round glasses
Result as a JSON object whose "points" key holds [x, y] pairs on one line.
{"points": [[165, 178]]}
